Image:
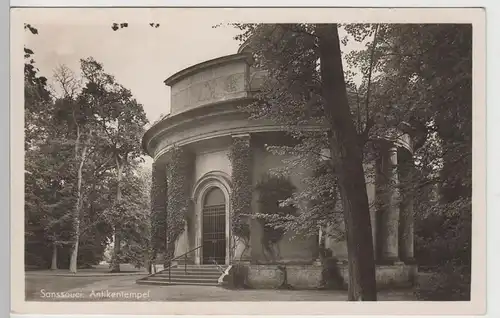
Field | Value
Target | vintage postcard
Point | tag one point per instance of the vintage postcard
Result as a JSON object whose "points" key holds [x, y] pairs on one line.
{"points": [[305, 158]]}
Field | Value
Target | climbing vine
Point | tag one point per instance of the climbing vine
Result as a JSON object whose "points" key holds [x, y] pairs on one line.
{"points": [[178, 175], [273, 214], [240, 156], [158, 207]]}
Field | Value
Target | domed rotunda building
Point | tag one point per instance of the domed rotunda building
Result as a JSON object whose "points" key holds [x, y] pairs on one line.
{"points": [[209, 157]]}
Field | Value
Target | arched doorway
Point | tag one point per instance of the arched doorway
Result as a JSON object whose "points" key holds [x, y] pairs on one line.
{"points": [[214, 227]]}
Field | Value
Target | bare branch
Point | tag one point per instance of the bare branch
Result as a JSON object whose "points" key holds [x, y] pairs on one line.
{"points": [[67, 81]]}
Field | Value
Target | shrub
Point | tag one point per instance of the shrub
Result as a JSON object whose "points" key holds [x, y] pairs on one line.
{"points": [[331, 277], [449, 282]]}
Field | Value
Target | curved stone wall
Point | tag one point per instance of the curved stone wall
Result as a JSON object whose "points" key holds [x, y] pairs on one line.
{"points": [[213, 81], [204, 104], [204, 119]]}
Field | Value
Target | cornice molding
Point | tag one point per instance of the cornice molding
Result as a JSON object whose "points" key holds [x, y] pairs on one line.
{"points": [[175, 78], [230, 132], [170, 122]]}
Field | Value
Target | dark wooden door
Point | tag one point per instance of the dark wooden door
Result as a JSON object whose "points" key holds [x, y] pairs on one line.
{"points": [[214, 228]]}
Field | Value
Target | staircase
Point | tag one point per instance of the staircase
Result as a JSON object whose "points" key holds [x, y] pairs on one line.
{"points": [[200, 275]]}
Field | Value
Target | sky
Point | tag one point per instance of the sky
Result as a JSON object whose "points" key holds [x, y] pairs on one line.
{"points": [[140, 57]]}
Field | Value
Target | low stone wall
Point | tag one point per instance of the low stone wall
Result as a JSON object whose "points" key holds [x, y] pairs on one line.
{"points": [[310, 276], [387, 276], [273, 276], [397, 275]]}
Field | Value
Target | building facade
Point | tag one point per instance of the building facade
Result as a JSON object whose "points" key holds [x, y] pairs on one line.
{"points": [[213, 156]]}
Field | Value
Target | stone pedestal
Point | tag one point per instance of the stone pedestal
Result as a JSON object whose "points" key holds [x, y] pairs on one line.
{"points": [[303, 277]]}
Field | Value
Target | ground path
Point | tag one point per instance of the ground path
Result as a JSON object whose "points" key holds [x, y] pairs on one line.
{"points": [[100, 287]]}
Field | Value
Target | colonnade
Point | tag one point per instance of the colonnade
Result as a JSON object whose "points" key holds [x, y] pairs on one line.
{"points": [[392, 215], [393, 212]]}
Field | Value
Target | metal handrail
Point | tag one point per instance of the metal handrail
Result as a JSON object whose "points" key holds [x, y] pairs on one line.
{"points": [[220, 268], [185, 261]]}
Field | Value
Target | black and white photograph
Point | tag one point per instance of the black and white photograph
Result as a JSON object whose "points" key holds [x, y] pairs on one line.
{"points": [[203, 155]]}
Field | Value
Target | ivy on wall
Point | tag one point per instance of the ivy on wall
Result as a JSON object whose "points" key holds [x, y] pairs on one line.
{"points": [[158, 207], [240, 156], [179, 173]]}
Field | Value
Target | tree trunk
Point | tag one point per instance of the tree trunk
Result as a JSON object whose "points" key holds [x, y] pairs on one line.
{"points": [[149, 261], [347, 158], [115, 267], [117, 238], [74, 256], [54, 256], [77, 212]]}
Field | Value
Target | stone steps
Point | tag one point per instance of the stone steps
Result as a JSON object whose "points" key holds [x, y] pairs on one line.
{"points": [[189, 274], [202, 275], [166, 283]]}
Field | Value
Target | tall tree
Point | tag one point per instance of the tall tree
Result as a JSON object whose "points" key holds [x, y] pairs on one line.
{"points": [[429, 85], [46, 192], [37, 99], [136, 229], [347, 159], [423, 76], [305, 83], [76, 118], [121, 120], [72, 162]]}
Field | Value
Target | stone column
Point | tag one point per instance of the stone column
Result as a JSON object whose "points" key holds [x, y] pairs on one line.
{"points": [[241, 197], [158, 208], [321, 242], [390, 247], [406, 221], [179, 178], [371, 190]]}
